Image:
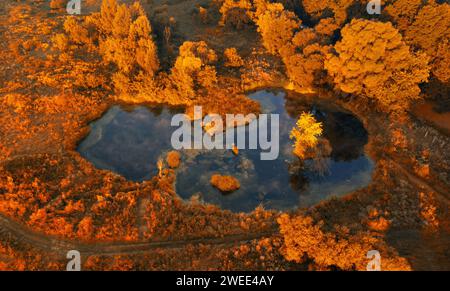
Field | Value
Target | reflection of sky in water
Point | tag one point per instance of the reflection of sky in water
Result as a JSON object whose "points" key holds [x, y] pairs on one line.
{"points": [[130, 142]]}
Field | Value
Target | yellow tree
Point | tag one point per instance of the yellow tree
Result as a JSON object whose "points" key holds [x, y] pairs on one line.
{"points": [[306, 135], [303, 57], [430, 32], [373, 61], [403, 12], [339, 8], [277, 27], [193, 70]]}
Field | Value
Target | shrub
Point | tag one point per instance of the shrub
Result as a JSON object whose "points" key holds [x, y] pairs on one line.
{"points": [[58, 4], [173, 159], [232, 58], [235, 13], [225, 183]]}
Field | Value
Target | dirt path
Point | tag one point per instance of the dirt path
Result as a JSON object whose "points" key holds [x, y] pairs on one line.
{"points": [[442, 194], [47, 243]]}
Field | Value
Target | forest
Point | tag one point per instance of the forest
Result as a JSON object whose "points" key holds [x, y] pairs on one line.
{"points": [[61, 74]]}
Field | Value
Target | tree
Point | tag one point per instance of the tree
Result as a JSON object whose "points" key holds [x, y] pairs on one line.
{"points": [[304, 57], [302, 49], [193, 70], [124, 37], [403, 12], [319, 9], [235, 13], [430, 32], [306, 135], [127, 42], [373, 61], [145, 48], [277, 27], [303, 238]]}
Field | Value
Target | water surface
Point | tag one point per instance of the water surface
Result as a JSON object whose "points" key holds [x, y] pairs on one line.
{"points": [[130, 141]]}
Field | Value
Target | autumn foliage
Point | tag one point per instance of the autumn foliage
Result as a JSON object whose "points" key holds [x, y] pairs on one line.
{"points": [[173, 159], [305, 239], [232, 58], [225, 183], [235, 13], [372, 60], [59, 72], [277, 27], [301, 49], [124, 39], [306, 135], [430, 32]]}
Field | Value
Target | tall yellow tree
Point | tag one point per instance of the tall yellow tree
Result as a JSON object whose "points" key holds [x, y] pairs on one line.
{"points": [[124, 38], [193, 69], [306, 135]]}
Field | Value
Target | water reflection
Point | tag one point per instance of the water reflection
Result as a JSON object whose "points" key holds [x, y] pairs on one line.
{"points": [[130, 142]]}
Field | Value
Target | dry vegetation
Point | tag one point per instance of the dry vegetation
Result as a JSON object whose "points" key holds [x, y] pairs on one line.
{"points": [[59, 72], [225, 184]]}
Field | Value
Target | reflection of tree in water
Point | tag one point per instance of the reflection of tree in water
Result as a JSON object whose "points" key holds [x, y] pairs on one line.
{"points": [[347, 136], [156, 109], [298, 180], [344, 131]]}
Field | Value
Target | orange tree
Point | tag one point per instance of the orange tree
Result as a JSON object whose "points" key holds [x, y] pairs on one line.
{"points": [[277, 27], [430, 32], [303, 238], [373, 61]]}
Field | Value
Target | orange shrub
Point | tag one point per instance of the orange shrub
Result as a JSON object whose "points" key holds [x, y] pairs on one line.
{"points": [[173, 159], [225, 183], [232, 58]]}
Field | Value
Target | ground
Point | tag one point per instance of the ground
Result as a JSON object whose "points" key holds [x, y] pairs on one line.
{"points": [[52, 200]]}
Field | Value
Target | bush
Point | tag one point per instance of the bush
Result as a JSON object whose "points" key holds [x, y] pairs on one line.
{"points": [[58, 4], [225, 183], [235, 13], [232, 58], [173, 159]]}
